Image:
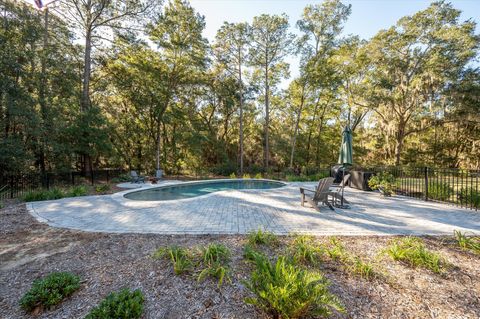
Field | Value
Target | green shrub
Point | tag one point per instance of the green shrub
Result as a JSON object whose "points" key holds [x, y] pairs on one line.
{"points": [[180, 258], [103, 188], [467, 243], [75, 191], [43, 194], [469, 197], [122, 178], [246, 176], [258, 176], [439, 190], [287, 291], [335, 249], [50, 290], [262, 238], [361, 268], [215, 258], [124, 304], [412, 251], [306, 178], [382, 181], [233, 175], [303, 250]]}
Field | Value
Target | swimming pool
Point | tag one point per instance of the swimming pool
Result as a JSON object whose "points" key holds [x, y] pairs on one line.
{"points": [[194, 189]]}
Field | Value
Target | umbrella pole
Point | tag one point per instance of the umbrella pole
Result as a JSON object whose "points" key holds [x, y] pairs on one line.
{"points": [[343, 184]]}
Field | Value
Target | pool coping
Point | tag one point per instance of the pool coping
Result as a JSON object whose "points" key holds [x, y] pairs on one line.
{"points": [[120, 196]]}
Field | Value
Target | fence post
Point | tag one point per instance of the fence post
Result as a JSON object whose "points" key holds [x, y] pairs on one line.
{"points": [[426, 183]]}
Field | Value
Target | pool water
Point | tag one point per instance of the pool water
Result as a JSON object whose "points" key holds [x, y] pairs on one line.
{"points": [[188, 190]]}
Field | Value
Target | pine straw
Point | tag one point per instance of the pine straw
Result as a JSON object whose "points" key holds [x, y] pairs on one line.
{"points": [[107, 262]]}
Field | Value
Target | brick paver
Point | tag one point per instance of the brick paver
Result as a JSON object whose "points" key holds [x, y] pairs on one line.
{"points": [[239, 212]]}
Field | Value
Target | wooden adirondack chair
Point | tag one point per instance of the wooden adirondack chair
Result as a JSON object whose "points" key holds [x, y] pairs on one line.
{"points": [[135, 178], [319, 195], [337, 192]]}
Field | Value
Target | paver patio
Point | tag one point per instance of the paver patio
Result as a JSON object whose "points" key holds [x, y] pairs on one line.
{"points": [[238, 212]]}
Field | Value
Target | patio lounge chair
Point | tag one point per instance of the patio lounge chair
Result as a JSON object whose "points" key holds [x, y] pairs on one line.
{"points": [[135, 178], [319, 195], [337, 193]]}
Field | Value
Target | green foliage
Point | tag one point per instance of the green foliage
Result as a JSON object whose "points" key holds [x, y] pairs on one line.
{"points": [[361, 268], [287, 291], [215, 258], [103, 188], [258, 176], [122, 178], [382, 181], [335, 250], [75, 191], [470, 197], [261, 237], [233, 175], [304, 250], [467, 243], [439, 190], [180, 258], [50, 290], [124, 304], [306, 178], [43, 194], [412, 251], [246, 176], [2, 205]]}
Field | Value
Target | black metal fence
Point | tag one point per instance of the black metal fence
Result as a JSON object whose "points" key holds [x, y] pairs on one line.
{"points": [[459, 187], [15, 185]]}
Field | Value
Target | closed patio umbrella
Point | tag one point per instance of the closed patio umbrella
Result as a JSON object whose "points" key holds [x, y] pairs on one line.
{"points": [[345, 158]]}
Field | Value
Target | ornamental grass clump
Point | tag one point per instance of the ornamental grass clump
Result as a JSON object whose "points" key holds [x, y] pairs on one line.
{"points": [[180, 258], [261, 237], [287, 291], [215, 259], [303, 250], [124, 304], [43, 194], [50, 290], [467, 243], [412, 251]]}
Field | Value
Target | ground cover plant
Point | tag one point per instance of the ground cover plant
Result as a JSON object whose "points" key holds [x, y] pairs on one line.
{"points": [[124, 304], [467, 243], [304, 250], [412, 251], [261, 237], [181, 258], [215, 258], [287, 291], [55, 193], [50, 291]]}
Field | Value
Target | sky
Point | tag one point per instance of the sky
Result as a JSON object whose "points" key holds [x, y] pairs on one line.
{"points": [[367, 17]]}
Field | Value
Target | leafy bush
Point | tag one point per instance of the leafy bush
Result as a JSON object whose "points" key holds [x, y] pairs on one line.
{"points": [[215, 258], [469, 197], [50, 290], [287, 291], [246, 176], [43, 194], [124, 304], [303, 250], [180, 258], [439, 190], [258, 176], [122, 178], [306, 178], [75, 191], [382, 181], [412, 251], [467, 243], [232, 175], [262, 238], [103, 188]]}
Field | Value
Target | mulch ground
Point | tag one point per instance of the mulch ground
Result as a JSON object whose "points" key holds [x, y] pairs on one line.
{"points": [[108, 262]]}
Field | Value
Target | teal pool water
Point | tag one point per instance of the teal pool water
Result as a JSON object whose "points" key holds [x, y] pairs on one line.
{"points": [[188, 190]]}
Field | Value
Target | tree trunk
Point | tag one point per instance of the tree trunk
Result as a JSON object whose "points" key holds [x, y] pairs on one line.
{"points": [[267, 119], [85, 99], [399, 143], [241, 116], [297, 123]]}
